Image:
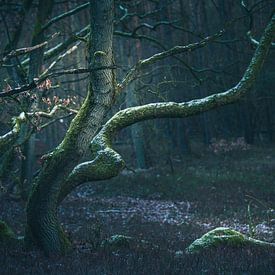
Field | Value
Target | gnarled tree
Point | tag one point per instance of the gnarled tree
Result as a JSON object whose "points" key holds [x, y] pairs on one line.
{"points": [[63, 168]]}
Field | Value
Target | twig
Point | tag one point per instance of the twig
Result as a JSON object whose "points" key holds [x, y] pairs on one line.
{"points": [[36, 81], [22, 51]]}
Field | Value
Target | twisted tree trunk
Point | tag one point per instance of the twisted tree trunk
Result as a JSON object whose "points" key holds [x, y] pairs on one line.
{"points": [[107, 163], [43, 228], [61, 174]]}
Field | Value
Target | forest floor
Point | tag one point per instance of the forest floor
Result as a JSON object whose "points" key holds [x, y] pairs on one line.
{"points": [[168, 211]]}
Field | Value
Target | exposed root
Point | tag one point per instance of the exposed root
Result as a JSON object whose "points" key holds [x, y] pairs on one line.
{"points": [[223, 236]]}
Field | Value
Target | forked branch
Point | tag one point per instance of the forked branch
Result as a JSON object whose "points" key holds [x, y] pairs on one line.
{"points": [[108, 163], [132, 74]]}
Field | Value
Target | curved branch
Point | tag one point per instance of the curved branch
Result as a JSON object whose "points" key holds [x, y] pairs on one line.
{"points": [[63, 15], [108, 163], [159, 56], [9, 139], [155, 26], [141, 16]]}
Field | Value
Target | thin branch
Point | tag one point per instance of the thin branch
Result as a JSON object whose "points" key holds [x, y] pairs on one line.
{"points": [[249, 12], [63, 15], [54, 120], [37, 81], [154, 27], [80, 35], [141, 16], [22, 51], [54, 110], [255, 42], [159, 56], [9, 139], [59, 58]]}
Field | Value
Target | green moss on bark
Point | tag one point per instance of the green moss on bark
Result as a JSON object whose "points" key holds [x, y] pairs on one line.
{"points": [[223, 236]]}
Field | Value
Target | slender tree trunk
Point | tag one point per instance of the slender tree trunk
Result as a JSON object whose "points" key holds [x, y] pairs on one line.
{"points": [[183, 140], [270, 130], [136, 129], [201, 20], [15, 71], [132, 100], [35, 68]]}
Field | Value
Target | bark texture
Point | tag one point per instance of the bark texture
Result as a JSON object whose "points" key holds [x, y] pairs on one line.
{"points": [[43, 228]]}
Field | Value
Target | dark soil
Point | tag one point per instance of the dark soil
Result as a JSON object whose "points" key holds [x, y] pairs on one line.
{"points": [[168, 211]]}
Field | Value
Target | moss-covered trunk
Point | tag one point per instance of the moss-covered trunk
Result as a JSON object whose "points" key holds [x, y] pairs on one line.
{"points": [[43, 228]]}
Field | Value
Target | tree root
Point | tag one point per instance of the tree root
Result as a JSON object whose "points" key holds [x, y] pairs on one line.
{"points": [[223, 236]]}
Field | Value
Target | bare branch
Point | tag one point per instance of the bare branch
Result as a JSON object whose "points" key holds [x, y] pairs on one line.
{"points": [[63, 15], [54, 110], [9, 139], [59, 58], [165, 23], [255, 42], [22, 51], [141, 16], [159, 56], [55, 119], [80, 35], [37, 81], [249, 12]]}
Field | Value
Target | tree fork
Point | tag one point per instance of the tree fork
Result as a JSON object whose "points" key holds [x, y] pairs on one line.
{"points": [[50, 188], [43, 228], [101, 145]]}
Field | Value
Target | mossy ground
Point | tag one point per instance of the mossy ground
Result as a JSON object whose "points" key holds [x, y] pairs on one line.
{"points": [[226, 237], [166, 210]]}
